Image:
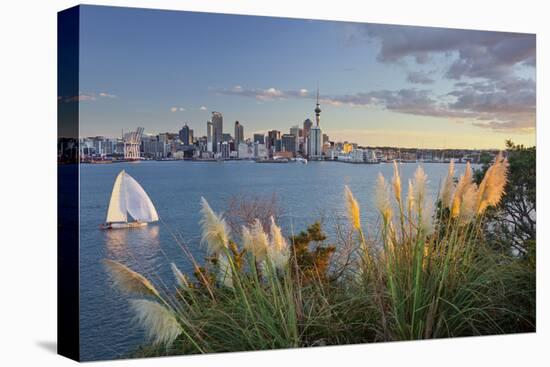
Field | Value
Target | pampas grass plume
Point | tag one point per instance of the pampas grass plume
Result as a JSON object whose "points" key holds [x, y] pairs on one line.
{"points": [[352, 208], [129, 281], [447, 190], [396, 182], [278, 251], [215, 232], [160, 323], [382, 199]]}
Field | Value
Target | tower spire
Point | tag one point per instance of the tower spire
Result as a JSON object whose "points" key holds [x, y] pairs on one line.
{"points": [[318, 110]]}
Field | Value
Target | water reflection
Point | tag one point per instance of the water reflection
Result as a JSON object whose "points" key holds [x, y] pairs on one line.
{"points": [[134, 246]]}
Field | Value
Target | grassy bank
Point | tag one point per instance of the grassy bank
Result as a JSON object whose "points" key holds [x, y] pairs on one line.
{"points": [[425, 272]]}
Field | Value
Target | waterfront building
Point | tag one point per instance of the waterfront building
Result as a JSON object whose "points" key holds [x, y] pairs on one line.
{"points": [[369, 156], [259, 138], [239, 133], [260, 151], [273, 141], [154, 146], [217, 130], [288, 142], [224, 150], [315, 147], [296, 131], [132, 143], [245, 151], [357, 156]]}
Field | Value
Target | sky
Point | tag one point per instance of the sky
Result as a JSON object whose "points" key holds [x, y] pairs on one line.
{"points": [[379, 85]]}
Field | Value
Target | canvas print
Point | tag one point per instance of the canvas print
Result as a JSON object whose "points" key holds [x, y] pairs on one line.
{"points": [[242, 183]]}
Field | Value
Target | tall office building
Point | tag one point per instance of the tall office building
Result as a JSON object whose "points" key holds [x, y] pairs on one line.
{"points": [[273, 141], [288, 142], [185, 135], [209, 143], [217, 130], [307, 127], [239, 133], [295, 130]]}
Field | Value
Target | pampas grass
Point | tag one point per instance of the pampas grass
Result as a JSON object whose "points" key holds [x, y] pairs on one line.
{"points": [[447, 190], [278, 249], [352, 208], [396, 182], [382, 197], [258, 242], [408, 283], [181, 278], [161, 325], [215, 232], [128, 280], [492, 186]]}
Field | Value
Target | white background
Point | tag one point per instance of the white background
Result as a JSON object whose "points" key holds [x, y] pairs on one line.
{"points": [[28, 182]]}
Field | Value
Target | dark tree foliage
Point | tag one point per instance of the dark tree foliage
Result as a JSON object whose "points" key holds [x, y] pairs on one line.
{"points": [[513, 223], [311, 259]]}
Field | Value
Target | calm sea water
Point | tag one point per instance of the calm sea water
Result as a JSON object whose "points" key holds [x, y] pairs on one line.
{"points": [[305, 192]]}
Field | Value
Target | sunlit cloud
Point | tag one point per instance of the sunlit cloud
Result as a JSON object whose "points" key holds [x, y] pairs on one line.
{"points": [[107, 95], [85, 97]]}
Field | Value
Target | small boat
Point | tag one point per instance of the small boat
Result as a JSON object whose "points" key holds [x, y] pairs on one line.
{"points": [[129, 199], [301, 160]]}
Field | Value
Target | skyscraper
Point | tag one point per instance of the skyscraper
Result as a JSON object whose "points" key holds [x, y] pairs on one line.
{"points": [[209, 143], [239, 133], [295, 130], [307, 127], [288, 142], [185, 135], [217, 130], [273, 141]]}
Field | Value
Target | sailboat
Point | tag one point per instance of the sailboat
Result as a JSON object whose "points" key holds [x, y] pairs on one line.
{"points": [[129, 199]]}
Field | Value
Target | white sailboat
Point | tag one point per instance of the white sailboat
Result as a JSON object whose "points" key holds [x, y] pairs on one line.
{"points": [[129, 199]]}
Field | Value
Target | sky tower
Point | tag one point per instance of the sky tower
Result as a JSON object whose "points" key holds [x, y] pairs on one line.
{"points": [[318, 110]]}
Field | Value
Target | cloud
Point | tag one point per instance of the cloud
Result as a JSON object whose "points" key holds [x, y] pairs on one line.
{"points": [[107, 95], [82, 97], [268, 94], [85, 97], [419, 77], [474, 54], [504, 105], [203, 108]]}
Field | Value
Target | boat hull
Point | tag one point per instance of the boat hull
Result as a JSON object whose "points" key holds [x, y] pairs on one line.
{"points": [[124, 225]]}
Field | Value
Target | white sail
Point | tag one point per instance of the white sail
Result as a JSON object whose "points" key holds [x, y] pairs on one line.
{"points": [[117, 206], [138, 203], [128, 197]]}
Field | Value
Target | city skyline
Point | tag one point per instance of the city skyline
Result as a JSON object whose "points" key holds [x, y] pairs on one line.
{"points": [[380, 85]]}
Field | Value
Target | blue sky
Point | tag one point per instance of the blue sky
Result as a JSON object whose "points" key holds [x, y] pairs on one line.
{"points": [[379, 84]]}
